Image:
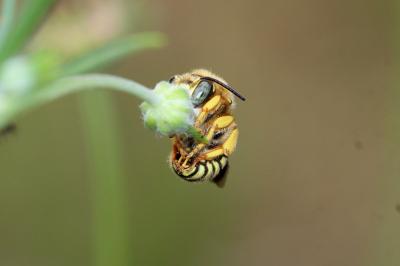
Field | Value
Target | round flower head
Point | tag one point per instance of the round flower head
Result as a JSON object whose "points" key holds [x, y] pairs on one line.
{"points": [[172, 113]]}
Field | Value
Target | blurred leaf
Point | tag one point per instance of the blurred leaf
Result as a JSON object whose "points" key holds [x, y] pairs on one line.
{"points": [[113, 51], [7, 15], [31, 16]]}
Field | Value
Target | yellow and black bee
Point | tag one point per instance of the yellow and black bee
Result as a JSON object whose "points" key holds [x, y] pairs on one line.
{"points": [[213, 100]]}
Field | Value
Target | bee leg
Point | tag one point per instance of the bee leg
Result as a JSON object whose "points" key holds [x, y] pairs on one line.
{"points": [[212, 154], [179, 149], [193, 153], [230, 143], [219, 123], [227, 148], [208, 109], [183, 155]]}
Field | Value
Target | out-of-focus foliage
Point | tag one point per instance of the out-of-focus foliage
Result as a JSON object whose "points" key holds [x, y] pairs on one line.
{"points": [[32, 79], [22, 76]]}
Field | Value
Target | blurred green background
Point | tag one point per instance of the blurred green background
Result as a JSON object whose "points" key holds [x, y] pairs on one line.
{"points": [[314, 180]]}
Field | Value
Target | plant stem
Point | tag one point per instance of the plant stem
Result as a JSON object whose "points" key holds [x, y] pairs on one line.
{"points": [[7, 15], [104, 151], [74, 84], [197, 135]]}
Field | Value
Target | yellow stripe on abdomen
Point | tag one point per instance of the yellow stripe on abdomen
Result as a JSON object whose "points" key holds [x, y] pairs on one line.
{"points": [[205, 170], [201, 170], [217, 168]]}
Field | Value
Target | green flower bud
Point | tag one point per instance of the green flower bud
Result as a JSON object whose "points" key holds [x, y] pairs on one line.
{"points": [[173, 113]]}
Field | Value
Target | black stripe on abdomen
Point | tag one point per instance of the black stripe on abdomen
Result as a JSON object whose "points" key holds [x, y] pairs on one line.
{"points": [[206, 170]]}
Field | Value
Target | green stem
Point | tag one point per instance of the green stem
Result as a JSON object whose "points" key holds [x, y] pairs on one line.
{"points": [[7, 16], [104, 151], [74, 84], [197, 135]]}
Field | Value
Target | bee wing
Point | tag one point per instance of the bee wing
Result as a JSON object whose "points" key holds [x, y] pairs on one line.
{"points": [[220, 179]]}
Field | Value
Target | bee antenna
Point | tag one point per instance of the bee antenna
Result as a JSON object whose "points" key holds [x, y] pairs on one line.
{"points": [[226, 86]]}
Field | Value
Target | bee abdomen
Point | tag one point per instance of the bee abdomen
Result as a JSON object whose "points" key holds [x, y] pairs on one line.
{"points": [[205, 170]]}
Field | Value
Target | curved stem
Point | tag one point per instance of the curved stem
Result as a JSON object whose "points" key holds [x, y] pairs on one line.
{"points": [[73, 84]]}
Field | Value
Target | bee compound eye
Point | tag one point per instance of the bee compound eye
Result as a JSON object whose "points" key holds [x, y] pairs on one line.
{"points": [[201, 93]]}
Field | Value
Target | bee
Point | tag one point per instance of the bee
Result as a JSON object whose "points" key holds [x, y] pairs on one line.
{"points": [[213, 99]]}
